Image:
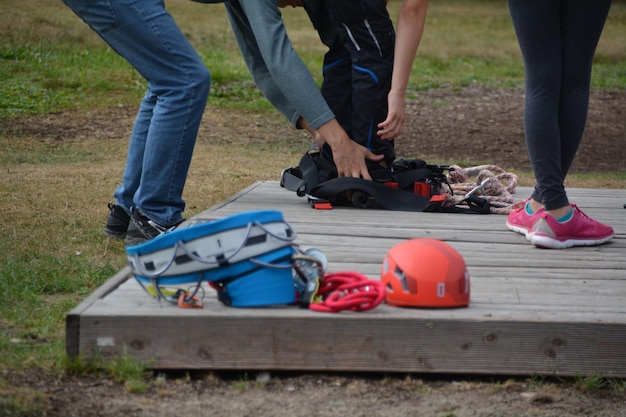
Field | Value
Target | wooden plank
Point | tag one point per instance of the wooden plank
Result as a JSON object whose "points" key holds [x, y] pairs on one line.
{"points": [[498, 295], [507, 293], [72, 320], [389, 340], [532, 311]]}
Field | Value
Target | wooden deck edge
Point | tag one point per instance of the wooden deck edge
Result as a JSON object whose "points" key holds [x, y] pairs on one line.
{"points": [[329, 343], [72, 319]]}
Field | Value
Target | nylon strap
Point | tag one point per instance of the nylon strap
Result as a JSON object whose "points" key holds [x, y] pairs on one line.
{"points": [[386, 197]]}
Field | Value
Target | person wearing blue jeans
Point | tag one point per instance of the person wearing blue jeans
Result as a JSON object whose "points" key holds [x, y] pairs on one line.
{"points": [[358, 65], [286, 82], [149, 199], [558, 39]]}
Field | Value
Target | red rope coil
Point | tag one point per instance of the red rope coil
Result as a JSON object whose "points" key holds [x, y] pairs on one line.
{"points": [[348, 291]]}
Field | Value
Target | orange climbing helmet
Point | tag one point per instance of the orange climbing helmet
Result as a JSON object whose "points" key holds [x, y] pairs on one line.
{"points": [[425, 272]]}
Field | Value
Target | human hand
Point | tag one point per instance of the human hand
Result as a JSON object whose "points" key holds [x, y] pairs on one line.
{"points": [[393, 125], [348, 155], [350, 158]]}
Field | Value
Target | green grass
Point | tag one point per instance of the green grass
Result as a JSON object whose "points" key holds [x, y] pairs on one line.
{"points": [[52, 253], [49, 60]]}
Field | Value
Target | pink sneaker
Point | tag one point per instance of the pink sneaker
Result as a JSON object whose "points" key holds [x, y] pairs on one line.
{"points": [[521, 222], [580, 230]]}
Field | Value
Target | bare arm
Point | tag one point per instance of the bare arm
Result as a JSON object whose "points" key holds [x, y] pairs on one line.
{"points": [[410, 27]]}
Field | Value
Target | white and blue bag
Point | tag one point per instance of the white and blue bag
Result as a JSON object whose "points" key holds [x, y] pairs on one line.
{"points": [[247, 258]]}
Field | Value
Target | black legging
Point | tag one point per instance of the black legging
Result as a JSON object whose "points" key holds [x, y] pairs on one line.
{"points": [[558, 39]]}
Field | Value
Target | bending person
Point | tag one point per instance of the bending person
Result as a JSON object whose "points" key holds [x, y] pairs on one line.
{"points": [[149, 200], [287, 83]]}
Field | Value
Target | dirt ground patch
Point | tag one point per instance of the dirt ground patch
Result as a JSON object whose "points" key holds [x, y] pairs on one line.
{"points": [[474, 125], [319, 395], [486, 125]]}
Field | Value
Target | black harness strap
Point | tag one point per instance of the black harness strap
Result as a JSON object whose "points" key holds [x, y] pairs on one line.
{"points": [[470, 205], [370, 194]]}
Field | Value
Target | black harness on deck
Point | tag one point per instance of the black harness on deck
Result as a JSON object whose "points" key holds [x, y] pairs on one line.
{"points": [[408, 185]]}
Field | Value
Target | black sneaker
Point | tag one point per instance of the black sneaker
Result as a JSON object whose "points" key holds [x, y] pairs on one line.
{"points": [[142, 229], [117, 222]]}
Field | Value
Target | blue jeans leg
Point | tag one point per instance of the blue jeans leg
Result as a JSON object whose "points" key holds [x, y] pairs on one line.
{"points": [[164, 134]]}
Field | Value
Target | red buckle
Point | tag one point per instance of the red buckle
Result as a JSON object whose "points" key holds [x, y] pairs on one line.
{"points": [[322, 206], [421, 188], [438, 198], [391, 184]]}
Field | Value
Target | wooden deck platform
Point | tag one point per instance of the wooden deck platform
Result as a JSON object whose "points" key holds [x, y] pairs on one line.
{"points": [[532, 311]]}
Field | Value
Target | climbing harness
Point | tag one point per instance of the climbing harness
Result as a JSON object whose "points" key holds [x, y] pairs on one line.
{"points": [[408, 185]]}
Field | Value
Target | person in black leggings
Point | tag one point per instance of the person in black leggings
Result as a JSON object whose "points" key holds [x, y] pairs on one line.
{"points": [[558, 39]]}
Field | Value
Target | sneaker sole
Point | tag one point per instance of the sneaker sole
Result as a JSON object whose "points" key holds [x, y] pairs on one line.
{"points": [[132, 241], [114, 235], [547, 242], [521, 230]]}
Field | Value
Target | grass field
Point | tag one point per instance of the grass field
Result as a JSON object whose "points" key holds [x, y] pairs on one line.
{"points": [[53, 195], [50, 60]]}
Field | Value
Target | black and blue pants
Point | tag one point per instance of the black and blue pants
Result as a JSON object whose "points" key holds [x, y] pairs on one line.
{"points": [[358, 65]]}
